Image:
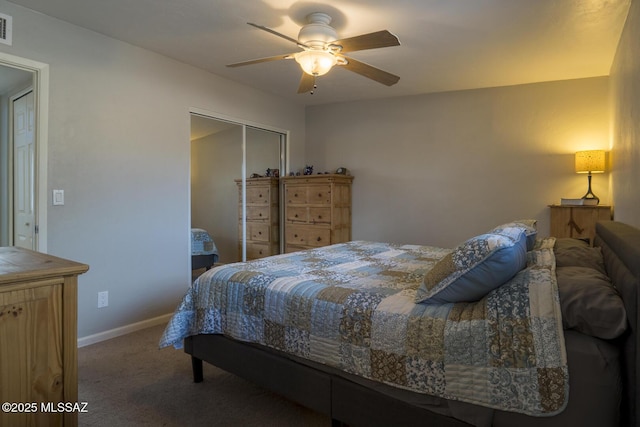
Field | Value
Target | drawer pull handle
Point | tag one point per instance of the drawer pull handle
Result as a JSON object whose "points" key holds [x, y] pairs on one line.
{"points": [[295, 235], [319, 238], [319, 216], [260, 195], [296, 215], [260, 214], [260, 233], [319, 194], [295, 195]]}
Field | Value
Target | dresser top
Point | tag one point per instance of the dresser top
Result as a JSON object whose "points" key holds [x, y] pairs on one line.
{"points": [[582, 206], [318, 177], [18, 264], [262, 179]]}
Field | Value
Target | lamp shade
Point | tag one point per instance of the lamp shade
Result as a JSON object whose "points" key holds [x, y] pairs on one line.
{"points": [[591, 161], [315, 62]]}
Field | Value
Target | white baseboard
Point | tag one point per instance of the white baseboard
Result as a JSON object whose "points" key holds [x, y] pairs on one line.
{"points": [[123, 330]]}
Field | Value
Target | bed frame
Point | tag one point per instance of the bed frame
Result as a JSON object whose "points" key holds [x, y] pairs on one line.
{"points": [[348, 402], [620, 245], [203, 261]]}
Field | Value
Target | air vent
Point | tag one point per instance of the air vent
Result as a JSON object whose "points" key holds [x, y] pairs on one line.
{"points": [[6, 28]]}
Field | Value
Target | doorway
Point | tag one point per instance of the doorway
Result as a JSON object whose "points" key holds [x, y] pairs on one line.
{"points": [[224, 153], [18, 76], [22, 145]]}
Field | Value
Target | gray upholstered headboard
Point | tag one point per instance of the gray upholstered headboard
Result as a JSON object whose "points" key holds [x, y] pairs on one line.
{"points": [[620, 245]]}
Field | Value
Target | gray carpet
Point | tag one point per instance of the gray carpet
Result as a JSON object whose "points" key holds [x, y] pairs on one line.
{"points": [[128, 381]]}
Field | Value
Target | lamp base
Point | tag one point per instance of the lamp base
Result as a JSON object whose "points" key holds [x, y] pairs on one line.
{"points": [[589, 195]]}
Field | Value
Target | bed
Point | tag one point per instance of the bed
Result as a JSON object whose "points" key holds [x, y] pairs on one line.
{"points": [[204, 253], [552, 343]]}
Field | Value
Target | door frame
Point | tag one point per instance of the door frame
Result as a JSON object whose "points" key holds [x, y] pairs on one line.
{"points": [[40, 72], [284, 164]]}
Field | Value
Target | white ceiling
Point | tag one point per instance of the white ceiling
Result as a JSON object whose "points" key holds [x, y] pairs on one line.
{"points": [[445, 44]]}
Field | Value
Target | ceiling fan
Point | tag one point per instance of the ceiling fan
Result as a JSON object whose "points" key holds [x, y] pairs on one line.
{"points": [[322, 50]]}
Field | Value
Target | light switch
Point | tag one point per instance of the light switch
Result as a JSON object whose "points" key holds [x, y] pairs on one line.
{"points": [[58, 197]]}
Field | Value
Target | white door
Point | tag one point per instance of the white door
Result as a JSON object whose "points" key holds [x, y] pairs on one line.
{"points": [[24, 171]]}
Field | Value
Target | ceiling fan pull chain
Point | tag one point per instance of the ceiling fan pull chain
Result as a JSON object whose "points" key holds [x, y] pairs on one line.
{"points": [[315, 86]]}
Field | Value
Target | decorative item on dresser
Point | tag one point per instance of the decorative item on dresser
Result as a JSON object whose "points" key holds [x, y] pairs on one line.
{"points": [[38, 337], [578, 221], [263, 226], [317, 210]]}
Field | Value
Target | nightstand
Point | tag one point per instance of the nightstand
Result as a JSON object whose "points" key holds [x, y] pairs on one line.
{"points": [[578, 221]]}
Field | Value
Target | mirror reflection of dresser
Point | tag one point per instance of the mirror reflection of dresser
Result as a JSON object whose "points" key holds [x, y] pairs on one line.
{"points": [[263, 219]]}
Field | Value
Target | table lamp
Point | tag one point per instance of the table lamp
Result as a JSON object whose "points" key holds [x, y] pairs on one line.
{"points": [[591, 161]]}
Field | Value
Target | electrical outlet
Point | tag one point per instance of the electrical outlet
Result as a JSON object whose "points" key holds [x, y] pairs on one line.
{"points": [[103, 299]]}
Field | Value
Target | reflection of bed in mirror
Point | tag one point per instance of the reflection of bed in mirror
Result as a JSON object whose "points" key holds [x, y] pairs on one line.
{"points": [[204, 253], [344, 330]]}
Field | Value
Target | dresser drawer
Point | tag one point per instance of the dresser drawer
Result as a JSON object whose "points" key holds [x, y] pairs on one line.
{"points": [[311, 195], [295, 236], [258, 232], [298, 214], [257, 196], [296, 195], [319, 195], [308, 236], [308, 215], [319, 215], [318, 237], [259, 250], [257, 213]]}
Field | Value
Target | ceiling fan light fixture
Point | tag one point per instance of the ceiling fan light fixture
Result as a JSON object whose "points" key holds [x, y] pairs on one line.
{"points": [[316, 62], [322, 49]]}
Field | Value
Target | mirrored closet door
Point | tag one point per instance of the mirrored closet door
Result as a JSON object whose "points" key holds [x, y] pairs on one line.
{"points": [[235, 187]]}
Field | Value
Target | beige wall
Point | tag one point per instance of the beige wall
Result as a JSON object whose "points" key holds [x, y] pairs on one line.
{"points": [[119, 127], [625, 90], [437, 169]]}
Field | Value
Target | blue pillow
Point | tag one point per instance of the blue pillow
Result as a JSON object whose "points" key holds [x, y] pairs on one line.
{"points": [[529, 226], [475, 268]]}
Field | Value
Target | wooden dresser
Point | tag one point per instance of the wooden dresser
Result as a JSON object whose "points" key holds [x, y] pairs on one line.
{"points": [[577, 221], [317, 210], [38, 336], [263, 217]]}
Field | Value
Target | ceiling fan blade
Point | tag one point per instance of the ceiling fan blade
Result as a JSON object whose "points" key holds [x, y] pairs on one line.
{"points": [[269, 30], [307, 83], [368, 41], [259, 60], [371, 72]]}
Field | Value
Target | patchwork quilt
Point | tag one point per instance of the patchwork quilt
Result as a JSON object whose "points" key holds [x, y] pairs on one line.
{"points": [[202, 243], [350, 306]]}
